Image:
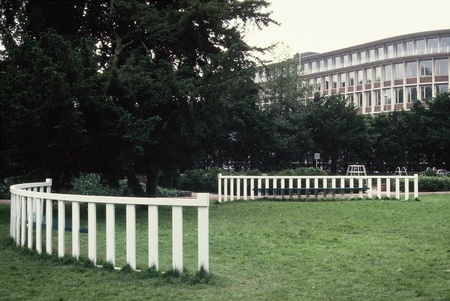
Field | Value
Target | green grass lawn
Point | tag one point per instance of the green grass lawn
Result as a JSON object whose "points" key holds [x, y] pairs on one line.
{"points": [[266, 250]]}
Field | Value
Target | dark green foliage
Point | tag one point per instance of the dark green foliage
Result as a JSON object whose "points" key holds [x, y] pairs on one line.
{"points": [[302, 171], [93, 184], [441, 183], [199, 180], [144, 87]]}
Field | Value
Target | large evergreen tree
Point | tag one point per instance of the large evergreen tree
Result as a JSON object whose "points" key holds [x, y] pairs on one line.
{"points": [[157, 63]]}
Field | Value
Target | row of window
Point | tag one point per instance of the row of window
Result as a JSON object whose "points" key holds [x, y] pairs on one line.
{"points": [[382, 73], [397, 95], [395, 50]]}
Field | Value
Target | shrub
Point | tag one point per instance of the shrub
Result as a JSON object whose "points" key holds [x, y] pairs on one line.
{"points": [[302, 171], [6, 183], [439, 183], [199, 180], [90, 184]]}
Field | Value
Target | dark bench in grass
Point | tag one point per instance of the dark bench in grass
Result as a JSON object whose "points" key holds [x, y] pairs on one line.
{"points": [[314, 190]]}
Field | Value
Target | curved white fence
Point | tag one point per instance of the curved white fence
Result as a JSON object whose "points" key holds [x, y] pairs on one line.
{"points": [[232, 188], [27, 208]]}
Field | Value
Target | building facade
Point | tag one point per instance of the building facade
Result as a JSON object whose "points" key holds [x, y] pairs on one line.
{"points": [[383, 75]]}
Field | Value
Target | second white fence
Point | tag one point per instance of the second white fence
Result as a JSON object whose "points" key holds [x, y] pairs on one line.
{"points": [[232, 188]]}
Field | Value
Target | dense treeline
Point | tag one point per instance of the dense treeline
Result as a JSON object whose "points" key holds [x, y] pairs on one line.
{"points": [[131, 87]]}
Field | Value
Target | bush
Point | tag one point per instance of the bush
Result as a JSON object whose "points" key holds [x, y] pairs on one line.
{"points": [[439, 183], [6, 183], [199, 180], [302, 171], [91, 184]]}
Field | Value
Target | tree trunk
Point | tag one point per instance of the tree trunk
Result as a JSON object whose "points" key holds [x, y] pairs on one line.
{"points": [[152, 174]]}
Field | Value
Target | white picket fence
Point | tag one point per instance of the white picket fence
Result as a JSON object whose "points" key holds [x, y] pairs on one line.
{"points": [[232, 188], [27, 204]]}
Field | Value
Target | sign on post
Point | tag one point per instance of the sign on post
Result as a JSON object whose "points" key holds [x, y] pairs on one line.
{"points": [[317, 158]]}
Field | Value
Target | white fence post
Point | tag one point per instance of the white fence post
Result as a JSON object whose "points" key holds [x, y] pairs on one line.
{"points": [[38, 217], [406, 189], [92, 232], [177, 238], [416, 186], [30, 222], [61, 228], [219, 188], [245, 189], [203, 234], [76, 230], [153, 236], [131, 235], [397, 188], [110, 234], [252, 188], [225, 189], [49, 226]]}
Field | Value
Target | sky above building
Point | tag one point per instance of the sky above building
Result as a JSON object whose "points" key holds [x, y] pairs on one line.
{"points": [[326, 25]]}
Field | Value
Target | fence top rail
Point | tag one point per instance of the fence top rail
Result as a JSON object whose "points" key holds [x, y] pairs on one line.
{"points": [[47, 183], [220, 176], [202, 199]]}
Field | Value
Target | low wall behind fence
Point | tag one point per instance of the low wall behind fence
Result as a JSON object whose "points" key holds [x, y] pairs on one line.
{"points": [[27, 204], [232, 188]]}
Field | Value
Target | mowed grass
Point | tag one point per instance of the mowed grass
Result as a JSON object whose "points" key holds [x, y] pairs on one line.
{"points": [[265, 250]]}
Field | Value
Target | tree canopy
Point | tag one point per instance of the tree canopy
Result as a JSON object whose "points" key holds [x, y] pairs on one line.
{"points": [[133, 87]]}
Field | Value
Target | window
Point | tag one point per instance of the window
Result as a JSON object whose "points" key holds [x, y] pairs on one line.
{"points": [[426, 92], [377, 97], [441, 67], [409, 47], [359, 77], [398, 69], [411, 69], [318, 83], [368, 95], [420, 46], [442, 88], [432, 45], [306, 68], [398, 93], [337, 61], [346, 60], [411, 94], [368, 72], [390, 51], [362, 57], [354, 57], [342, 80], [387, 72], [372, 56], [351, 78], [380, 53], [334, 81], [330, 63], [426, 68], [377, 74], [326, 83], [445, 44], [359, 100], [387, 96], [314, 66], [321, 65], [399, 49], [351, 98]]}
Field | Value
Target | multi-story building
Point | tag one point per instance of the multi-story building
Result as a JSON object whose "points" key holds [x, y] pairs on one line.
{"points": [[383, 75]]}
